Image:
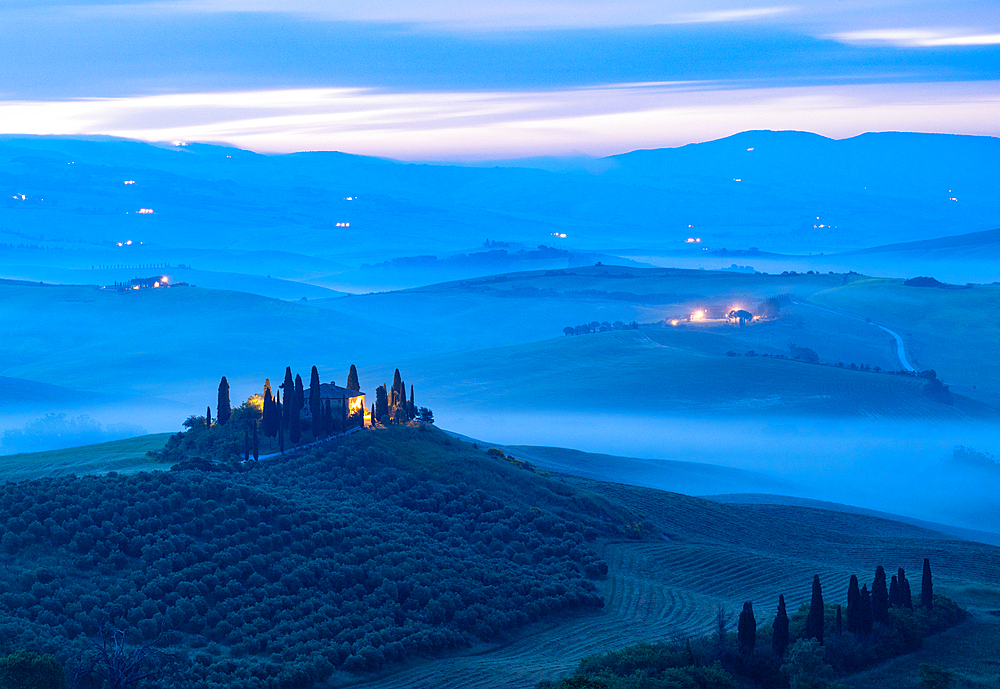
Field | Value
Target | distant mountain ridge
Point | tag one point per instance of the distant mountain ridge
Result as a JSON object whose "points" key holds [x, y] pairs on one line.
{"points": [[785, 192]]}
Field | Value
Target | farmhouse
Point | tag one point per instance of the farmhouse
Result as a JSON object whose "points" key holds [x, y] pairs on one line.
{"points": [[343, 403]]}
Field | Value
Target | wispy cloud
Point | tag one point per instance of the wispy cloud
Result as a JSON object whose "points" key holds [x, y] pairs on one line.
{"points": [[917, 38], [470, 125], [512, 14]]}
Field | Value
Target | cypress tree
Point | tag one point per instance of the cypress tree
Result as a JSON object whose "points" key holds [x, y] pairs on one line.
{"points": [[880, 597], [287, 387], [328, 419], [926, 586], [294, 420], [246, 445], [315, 404], [413, 407], [814, 621], [256, 445], [780, 639], [300, 393], [894, 592], [905, 600], [866, 610], [208, 416], [381, 402], [840, 623], [853, 606], [267, 420], [746, 630], [224, 409], [279, 410], [352, 380]]}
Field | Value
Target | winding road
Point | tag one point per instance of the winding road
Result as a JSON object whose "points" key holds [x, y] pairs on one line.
{"points": [[900, 349]]}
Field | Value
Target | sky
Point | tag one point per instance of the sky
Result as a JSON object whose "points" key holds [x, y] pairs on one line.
{"points": [[449, 80]]}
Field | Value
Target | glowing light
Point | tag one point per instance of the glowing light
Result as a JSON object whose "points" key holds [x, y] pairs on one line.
{"points": [[145, 211], [343, 224], [750, 149], [156, 284], [135, 286], [128, 242], [689, 240], [737, 179], [164, 279], [673, 321], [698, 315], [121, 244], [130, 181], [356, 404]]}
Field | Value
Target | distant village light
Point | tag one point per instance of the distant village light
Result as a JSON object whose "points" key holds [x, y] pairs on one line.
{"points": [[145, 211]]}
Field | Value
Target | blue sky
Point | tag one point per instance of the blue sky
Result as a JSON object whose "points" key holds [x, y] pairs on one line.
{"points": [[432, 79]]}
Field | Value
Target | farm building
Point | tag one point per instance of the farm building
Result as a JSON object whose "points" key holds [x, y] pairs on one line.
{"points": [[342, 401]]}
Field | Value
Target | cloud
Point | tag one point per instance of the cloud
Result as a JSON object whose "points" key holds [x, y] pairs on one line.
{"points": [[917, 38], [512, 14], [496, 124]]}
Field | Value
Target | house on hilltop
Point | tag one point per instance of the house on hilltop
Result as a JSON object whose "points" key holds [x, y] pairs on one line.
{"points": [[343, 402]]}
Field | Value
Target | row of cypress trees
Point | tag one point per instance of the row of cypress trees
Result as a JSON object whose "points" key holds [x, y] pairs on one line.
{"points": [[279, 419], [864, 608], [391, 405]]}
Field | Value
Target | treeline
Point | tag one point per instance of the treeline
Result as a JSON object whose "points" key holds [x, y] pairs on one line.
{"points": [[336, 560], [268, 421], [810, 649], [596, 327]]}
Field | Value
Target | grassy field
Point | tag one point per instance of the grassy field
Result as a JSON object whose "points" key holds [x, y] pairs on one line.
{"points": [[123, 456], [708, 554], [950, 331], [661, 372]]}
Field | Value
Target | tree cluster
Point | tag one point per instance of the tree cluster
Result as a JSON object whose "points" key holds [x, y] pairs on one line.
{"points": [[809, 650], [392, 405], [342, 558], [597, 327]]}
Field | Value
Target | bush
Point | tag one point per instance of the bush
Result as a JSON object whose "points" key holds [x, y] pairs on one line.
{"points": [[27, 670]]}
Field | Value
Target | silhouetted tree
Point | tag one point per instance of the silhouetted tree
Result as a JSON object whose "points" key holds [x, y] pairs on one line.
{"points": [[352, 380], [315, 404], [426, 415], [224, 409], [746, 630], [905, 599], [413, 408], [853, 606], [780, 639], [288, 388], [208, 416], [814, 620], [269, 420], [300, 395], [840, 623], [381, 402], [880, 597], [926, 586], [866, 610], [894, 600], [256, 445], [279, 410], [117, 664], [246, 445]]}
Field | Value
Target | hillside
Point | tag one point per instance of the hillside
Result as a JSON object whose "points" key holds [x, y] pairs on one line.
{"points": [[220, 556]]}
